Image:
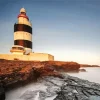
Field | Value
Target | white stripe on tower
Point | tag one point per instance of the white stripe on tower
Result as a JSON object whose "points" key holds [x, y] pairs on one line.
{"points": [[22, 20], [19, 35]]}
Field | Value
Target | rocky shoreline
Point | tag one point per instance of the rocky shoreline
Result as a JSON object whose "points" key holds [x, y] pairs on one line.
{"points": [[65, 88], [62, 87], [17, 73]]}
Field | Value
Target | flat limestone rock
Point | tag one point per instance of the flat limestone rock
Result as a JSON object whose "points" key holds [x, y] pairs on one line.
{"points": [[78, 89]]}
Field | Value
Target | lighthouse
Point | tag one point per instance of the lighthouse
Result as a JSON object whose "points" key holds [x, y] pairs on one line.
{"points": [[22, 48], [22, 34]]}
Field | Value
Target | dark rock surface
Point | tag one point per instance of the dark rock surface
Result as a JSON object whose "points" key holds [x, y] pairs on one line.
{"points": [[2, 93], [78, 89], [82, 70]]}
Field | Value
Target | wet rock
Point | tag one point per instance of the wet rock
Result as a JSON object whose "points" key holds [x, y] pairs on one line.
{"points": [[82, 70], [28, 95], [78, 89], [42, 95]]}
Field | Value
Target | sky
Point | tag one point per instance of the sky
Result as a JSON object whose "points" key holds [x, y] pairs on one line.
{"points": [[67, 29]]}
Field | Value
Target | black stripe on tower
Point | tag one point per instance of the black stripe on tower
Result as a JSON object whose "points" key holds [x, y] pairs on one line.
{"points": [[22, 27], [24, 43]]}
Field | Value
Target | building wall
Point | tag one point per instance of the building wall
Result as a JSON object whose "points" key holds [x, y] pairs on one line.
{"points": [[18, 53], [32, 56]]}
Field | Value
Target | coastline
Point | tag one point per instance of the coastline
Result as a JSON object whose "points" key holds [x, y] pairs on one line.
{"points": [[59, 88], [19, 73]]}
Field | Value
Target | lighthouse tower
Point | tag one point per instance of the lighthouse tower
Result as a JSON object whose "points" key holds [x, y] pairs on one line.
{"points": [[22, 34], [22, 48]]}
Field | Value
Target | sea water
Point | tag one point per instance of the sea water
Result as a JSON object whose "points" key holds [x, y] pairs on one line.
{"points": [[92, 74]]}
